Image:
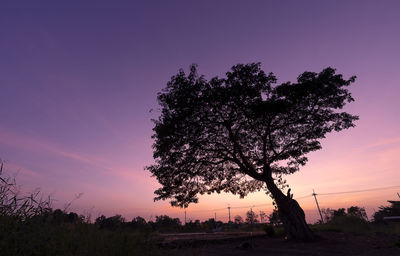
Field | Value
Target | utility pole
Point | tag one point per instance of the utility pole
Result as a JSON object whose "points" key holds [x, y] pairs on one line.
{"points": [[229, 213], [185, 217], [251, 210], [215, 216], [316, 201]]}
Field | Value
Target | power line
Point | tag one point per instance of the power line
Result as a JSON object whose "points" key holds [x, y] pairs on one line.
{"points": [[357, 191], [348, 192], [297, 198], [310, 195], [208, 210], [250, 206]]}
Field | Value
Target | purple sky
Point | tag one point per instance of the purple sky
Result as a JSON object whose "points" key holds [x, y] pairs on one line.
{"points": [[77, 82]]}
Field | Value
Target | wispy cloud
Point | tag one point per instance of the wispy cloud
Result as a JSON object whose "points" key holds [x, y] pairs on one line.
{"points": [[382, 143], [18, 169], [34, 144]]}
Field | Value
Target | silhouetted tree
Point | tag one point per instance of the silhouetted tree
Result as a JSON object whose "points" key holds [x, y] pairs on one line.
{"points": [[234, 134], [138, 223], [209, 224], [166, 223], [139, 220], [356, 211], [238, 220], [387, 211], [100, 220], [327, 213], [251, 217], [59, 216], [263, 216], [273, 218], [352, 213], [111, 223], [166, 220], [192, 225], [339, 212]]}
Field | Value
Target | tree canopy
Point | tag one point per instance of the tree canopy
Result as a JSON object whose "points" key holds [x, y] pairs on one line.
{"points": [[231, 134]]}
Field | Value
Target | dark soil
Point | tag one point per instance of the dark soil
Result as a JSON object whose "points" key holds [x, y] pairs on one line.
{"points": [[328, 243]]}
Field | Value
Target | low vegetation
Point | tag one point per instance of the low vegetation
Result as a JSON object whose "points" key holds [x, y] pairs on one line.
{"points": [[29, 226], [354, 219]]}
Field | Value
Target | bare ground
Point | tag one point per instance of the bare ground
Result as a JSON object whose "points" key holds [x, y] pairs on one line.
{"points": [[328, 243]]}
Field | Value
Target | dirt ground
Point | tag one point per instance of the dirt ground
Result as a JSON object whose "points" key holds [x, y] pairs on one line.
{"points": [[329, 243]]}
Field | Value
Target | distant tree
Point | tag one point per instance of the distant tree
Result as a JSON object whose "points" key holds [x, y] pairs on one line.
{"points": [[165, 220], [166, 223], [100, 220], [209, 224], [59, 216], [238, 220], [387, 211], [193, 225], [327, 213], [273, 218], [251, 217], [240, 134], [111, 223], [358, 212], [263, 216], [331, 215], [139, 220], [138, 223], [74, 217], [339, 212]]}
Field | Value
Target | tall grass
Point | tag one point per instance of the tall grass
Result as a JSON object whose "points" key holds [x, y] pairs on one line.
{"points": [[28, 226]]}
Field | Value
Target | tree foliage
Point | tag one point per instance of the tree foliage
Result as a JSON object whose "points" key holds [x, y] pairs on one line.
{"points": [[112, 223], [231, 134], [387, 211], [251, 217], [263, 216], [238, 220], [358, 212], [353, 212]]}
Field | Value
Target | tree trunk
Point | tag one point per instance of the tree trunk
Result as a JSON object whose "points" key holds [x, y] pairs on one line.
{"points": [[290, 213]]}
